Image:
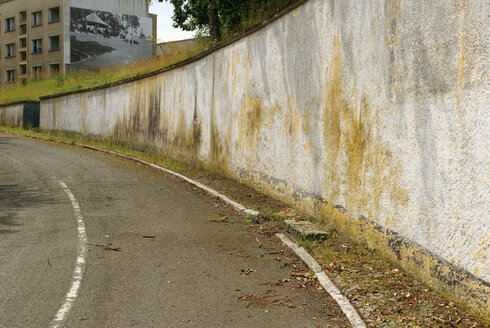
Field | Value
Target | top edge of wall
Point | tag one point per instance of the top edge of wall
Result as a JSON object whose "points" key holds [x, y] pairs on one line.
{"points": [[256, 28], [20, 102]]}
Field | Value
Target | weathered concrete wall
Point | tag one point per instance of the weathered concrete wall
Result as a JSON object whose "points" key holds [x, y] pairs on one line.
{"points": [[11, 115], [372, 114]]}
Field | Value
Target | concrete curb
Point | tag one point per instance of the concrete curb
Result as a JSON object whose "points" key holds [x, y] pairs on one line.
{"points": [[326, 283]]}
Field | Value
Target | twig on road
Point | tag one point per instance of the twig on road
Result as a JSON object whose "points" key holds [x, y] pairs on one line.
{"points": [[107, 247]]}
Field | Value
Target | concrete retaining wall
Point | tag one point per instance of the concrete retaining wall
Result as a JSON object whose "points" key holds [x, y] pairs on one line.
{"points": [[20, 114], [12, 115], [371, 114]]}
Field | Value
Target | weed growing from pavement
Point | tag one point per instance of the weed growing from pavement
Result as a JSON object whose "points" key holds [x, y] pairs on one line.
{"points": [[218, 219], [268, 215], [308, 218], [280, 225], [306, 243]]}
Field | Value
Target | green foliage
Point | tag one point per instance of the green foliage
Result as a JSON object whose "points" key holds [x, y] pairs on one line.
{"points": [[235, 16], [217, 219], [190, 15]]}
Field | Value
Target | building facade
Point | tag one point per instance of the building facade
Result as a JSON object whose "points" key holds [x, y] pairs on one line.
{"points": [[44, 37]]}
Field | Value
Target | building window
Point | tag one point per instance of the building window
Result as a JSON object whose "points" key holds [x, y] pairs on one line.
{"points": [[10, 50], [37, 46], [54, 15], [54, 43], [22, 18], [37, 72], [37, 18], [10, 24], [10, 75], [54, 69]]}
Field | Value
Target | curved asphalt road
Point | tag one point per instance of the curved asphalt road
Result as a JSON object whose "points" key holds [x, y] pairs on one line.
{"points": [[189, 275]]}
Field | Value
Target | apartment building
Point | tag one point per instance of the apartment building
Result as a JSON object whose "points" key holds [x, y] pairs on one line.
{"points": [[43, 37]]}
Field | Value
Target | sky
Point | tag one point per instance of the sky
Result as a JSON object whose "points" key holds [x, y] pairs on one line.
{"points": [[166, 32]]}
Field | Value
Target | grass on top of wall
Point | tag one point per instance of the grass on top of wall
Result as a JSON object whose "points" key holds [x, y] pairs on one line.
{"points": [[84, 79]]}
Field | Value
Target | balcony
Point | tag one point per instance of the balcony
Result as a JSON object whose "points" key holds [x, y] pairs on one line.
{"points": [[23, 70], [22, 18], [23, 31]]}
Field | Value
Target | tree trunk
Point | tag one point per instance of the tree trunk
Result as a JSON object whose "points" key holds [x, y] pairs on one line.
{"points": [[214, 23]]}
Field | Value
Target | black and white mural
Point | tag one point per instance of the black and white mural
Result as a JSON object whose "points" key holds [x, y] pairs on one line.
{"points": [[101, 39]]}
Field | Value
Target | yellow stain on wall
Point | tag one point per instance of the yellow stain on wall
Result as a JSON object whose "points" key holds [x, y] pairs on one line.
{"points": [[251, 119], [355, 156], [393, 23], [331, 122], [292, 120], [83, 107], [482, 253], [54, 108], [463, 5], [296, 15], [461, 69], [235, 62]]}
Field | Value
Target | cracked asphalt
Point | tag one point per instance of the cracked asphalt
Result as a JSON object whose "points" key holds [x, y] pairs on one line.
{"points": [[191, 273]]}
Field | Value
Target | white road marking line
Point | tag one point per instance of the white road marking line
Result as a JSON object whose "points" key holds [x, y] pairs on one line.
{"points": [[327, 284], [82, 250]]}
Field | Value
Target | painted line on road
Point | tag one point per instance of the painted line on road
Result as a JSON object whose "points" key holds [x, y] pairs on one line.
{"points": [[82, 250], [349, 311]]}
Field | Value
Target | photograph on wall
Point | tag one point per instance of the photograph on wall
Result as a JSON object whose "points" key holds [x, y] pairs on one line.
{"points": [[100, 39]]}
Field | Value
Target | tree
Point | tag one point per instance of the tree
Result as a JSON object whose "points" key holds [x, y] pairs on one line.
{"points": [[213, 15], [214, 22], [218, 16]]}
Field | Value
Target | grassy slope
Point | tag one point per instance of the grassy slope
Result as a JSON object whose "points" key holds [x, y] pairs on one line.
{"points": [[88, 79]]}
